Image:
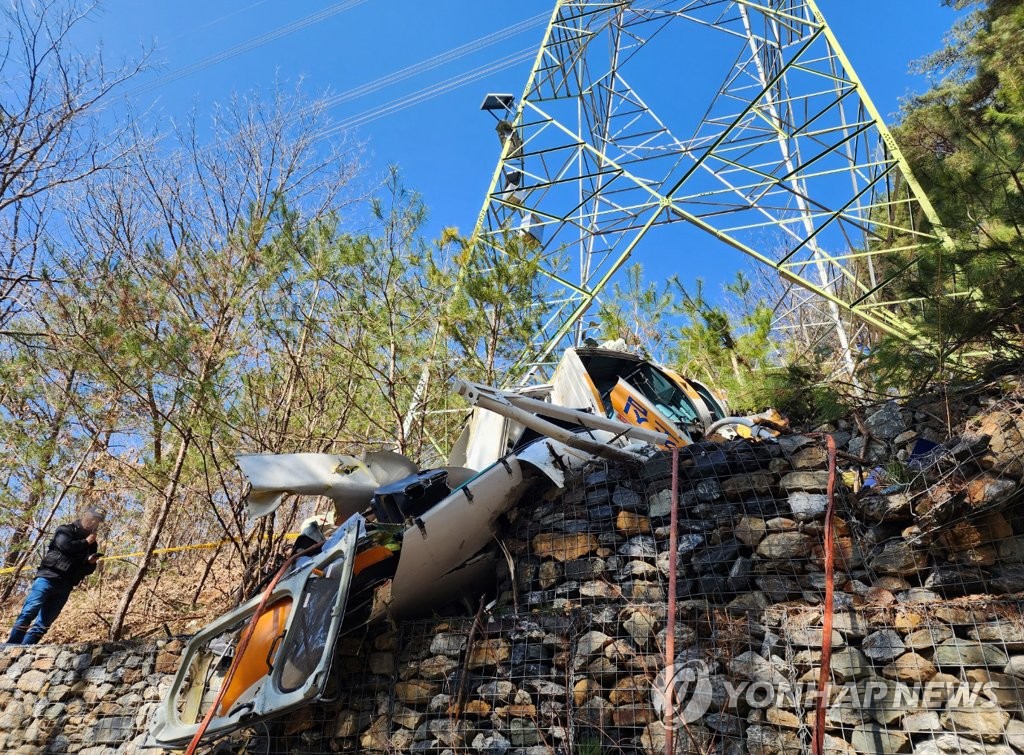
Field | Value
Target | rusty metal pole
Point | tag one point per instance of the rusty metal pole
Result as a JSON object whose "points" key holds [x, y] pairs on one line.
{"points": [[821, 701], [670, 622]]}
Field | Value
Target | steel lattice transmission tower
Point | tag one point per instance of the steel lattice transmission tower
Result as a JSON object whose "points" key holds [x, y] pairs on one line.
{"points": [[790, 162]]}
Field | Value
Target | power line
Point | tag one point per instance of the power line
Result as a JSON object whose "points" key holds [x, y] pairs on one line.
{"points": [[437, 60], [427, 64], [428, 93], [219, 19], [248, 45]]}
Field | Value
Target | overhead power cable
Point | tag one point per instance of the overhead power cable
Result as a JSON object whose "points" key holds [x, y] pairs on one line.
{"points": [[437, 60], [424, 65], [428, 93], [218, 20], [251, 44]]}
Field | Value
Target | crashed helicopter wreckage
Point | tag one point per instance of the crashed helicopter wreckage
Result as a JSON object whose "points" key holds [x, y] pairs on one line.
{"points": [[413, 540]]}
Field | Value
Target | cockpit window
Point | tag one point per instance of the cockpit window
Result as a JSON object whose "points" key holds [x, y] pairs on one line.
{"points": [[303, 647], [667, 398]]}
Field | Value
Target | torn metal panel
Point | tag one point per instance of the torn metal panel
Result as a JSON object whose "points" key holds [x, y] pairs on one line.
{"points": [[346, 480], [485, 439], [489, 436], [287, 660], [573, 387], [447, 536]]}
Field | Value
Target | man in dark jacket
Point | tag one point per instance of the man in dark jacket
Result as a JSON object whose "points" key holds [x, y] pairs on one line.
{"points": [[70, 558]]}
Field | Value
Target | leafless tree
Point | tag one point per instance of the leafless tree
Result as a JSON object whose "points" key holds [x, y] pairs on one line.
{"points": [[53, 128]]}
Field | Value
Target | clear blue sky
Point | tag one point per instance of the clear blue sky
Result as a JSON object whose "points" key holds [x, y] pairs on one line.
{"points": [[446, 148]]}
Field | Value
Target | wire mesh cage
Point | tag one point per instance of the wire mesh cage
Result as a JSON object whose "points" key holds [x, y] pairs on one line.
{"points": [[580, 646], [570, 652]]}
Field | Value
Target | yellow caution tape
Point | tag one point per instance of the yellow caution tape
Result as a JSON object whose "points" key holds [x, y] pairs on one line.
{"points": [[160, 551]]}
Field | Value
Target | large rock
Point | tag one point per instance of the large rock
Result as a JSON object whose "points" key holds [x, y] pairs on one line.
{"points": [[415, 691], [910, 667], [886, 422], [899, 558], [643, 546], [499, 690], [592, 643], [641, 624], [114, 730], [564, 547], [921, 722], [871, 739], [1007, 578], [763, 740], [627, 499], [740, 486], [894, 507], [631, 690], [807, 506], [629, 523], [523, 733], [750, 530], [811, 457], [1011, 550], [438, 666], [849, 664], [489, 652], [812, 637], [1007, 690], [850, 623], [953, 744], [1008, 633], [32, 681], [809, 481], [952, 581], [929, 637], [986, 721], [448, 643], [957, 652], [346, 724], [491, 743], [785, 545], [1015, 735], [989, 490], [1006, 441], [883, 645], [752, 666], [888, 702]]}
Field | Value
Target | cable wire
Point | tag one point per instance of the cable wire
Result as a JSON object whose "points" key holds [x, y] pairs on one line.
{"points": [[250, 44], [427, 93]]}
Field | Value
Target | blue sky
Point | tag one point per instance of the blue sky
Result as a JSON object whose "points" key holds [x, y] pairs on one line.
{"points": [[445, 146]]}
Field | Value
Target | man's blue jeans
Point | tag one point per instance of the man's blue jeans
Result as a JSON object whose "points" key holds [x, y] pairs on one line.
{"points": [[43, 605]]}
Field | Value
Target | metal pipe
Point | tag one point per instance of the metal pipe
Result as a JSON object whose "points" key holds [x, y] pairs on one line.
{"points": [[670, 622], [818, 743], [526, 410], [573, 440]]}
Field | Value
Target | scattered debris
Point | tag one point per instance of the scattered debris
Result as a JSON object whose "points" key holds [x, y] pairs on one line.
{"points": [[570, 546]]}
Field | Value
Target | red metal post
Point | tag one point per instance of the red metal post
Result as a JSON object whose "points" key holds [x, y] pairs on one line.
{"points": [[670, 622]]}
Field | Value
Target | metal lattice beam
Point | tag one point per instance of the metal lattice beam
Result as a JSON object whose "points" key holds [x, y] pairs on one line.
{"points": [[790, 163]]}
